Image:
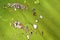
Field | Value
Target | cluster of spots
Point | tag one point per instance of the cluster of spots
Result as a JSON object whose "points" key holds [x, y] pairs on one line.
{"points": [[34, 11], [18, 24], [16, 6]]}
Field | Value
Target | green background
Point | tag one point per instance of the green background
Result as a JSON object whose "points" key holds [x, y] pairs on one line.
{"points": [[49, 24]]}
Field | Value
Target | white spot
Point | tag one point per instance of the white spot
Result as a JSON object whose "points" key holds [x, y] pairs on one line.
{"points": [[18, 6], [17, 25], [28, 37], [9, 4], [15, 9], [41, 16], [35, 26], [36, 2], [36, 20]]}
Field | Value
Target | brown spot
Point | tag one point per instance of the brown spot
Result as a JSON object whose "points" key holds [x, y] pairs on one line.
{"points": [[34, 13], [22, 26]]}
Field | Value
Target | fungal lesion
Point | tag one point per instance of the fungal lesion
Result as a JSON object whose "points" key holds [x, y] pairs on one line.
{"points": [[34, 12], [15, 6], [18, 24]]}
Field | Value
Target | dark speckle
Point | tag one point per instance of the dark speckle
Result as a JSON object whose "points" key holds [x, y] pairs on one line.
{"points": [[34, 11], [31, 32], [42, 33]]}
